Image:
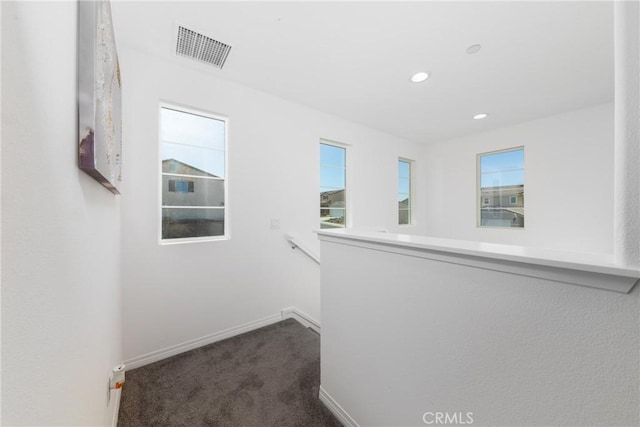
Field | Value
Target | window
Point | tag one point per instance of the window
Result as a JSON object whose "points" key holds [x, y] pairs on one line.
{"points": [[181, 186], [193, 147], [404, 192], [501, 188], [333, 188]]}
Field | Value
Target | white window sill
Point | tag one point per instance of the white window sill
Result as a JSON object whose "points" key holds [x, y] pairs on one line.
{"points": [[179, 241], [583, 269]]}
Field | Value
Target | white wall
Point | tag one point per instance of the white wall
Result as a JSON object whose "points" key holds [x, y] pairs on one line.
{"points": [[626, 223], [60, 234], [403, 335], [175, 293], [568, 182]]}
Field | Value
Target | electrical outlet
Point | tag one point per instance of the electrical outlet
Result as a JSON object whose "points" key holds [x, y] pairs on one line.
{"points": [[275, 223]]}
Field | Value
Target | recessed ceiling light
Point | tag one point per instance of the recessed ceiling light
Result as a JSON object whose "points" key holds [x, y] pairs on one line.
{"points": [[473, 49], [480, 116], [419, 77]]}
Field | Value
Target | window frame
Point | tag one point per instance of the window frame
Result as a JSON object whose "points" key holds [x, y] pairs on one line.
{"points": [[479, 187], [412, 192], [347, 178], [207, 114]]}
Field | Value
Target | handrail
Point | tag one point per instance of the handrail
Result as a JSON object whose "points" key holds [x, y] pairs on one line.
{"points": [[296, 244]]}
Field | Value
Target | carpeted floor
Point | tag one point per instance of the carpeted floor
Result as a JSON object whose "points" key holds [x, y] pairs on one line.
{"points": [[266, 377]]}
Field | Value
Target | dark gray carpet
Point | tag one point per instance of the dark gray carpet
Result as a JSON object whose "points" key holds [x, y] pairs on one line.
{"points": [[266, 377]]}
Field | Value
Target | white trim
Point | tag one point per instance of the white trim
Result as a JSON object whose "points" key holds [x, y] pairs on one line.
{"points": [[166, 141], [215, 178], [179, 241], [348, 178], [301, 317], [181, 108], [173, 350], [479, 185], [191, 207], [412, 179], [336, 409], [583, 269], [116, 409]]}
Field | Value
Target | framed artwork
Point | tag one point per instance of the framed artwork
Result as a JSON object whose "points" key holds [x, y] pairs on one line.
{"points": [[99, 95]]}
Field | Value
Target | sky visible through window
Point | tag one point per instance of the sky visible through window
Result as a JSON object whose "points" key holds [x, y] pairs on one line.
{"points": [[192, 207], [502, 169], [203, 135], [332, 167], [404, 192], [404, 179], [332, 186], [502, 189]]}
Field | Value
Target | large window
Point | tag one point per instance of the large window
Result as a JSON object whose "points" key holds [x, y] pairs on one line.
{"points": [[333, 185], [404, 192], [193, 146], [501, 188]]}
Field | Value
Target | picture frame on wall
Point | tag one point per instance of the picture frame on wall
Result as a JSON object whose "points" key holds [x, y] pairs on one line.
{"points": [[99, 96]]}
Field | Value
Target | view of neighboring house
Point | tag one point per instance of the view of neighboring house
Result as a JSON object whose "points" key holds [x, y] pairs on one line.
{"points": [[209, 276], [502, 206], [403, 211], [332, 209], [192, 201]]}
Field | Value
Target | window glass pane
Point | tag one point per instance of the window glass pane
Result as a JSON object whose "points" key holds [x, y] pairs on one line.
{"points": [[186, 160], [332, 177], [180, 223], [502, 161], [404, 185], [332, 186], [404, 192], [496, 179], [179, 191], [192, 129], [502, 189], [334, 198], [330, 155], [193, 174], [326, 189], [332, 218], [403, 216], [404, 169]]}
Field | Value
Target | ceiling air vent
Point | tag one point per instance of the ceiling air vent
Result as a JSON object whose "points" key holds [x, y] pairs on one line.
{"points": [[201, 48]]}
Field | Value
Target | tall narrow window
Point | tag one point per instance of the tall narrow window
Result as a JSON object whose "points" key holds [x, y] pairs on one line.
{"points": [[333, 186], [501, 192], [404, 192], [193, 146]]}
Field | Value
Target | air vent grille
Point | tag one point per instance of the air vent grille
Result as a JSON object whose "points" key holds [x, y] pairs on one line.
{"points": [[201, 48]]}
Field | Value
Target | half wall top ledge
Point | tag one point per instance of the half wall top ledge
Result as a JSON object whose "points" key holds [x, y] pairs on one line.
{"points": [[582, 269]]}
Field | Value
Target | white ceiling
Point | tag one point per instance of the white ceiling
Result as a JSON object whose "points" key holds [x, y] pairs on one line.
{"points": [[355, 59]]}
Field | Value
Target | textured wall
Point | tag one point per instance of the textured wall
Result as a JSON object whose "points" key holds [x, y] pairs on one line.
{"points": [[627, 142], [403, 335], [175, 293], [60, 234], [568, 182]]}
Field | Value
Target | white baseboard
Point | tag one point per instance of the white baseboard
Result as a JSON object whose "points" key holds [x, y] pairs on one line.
{"points": [[164, 353], [116, 394], [306, 320], [336, 409]]}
